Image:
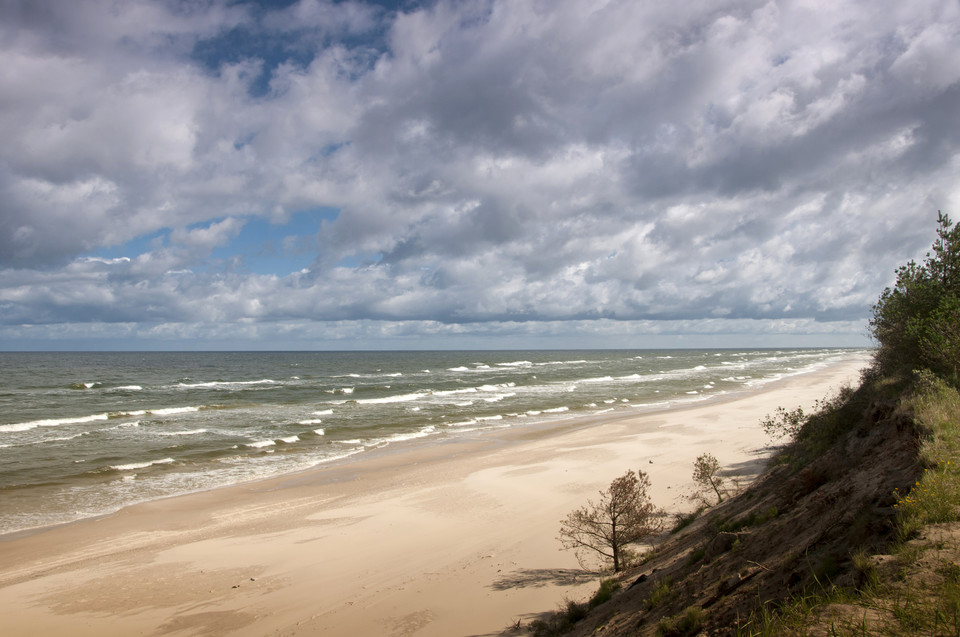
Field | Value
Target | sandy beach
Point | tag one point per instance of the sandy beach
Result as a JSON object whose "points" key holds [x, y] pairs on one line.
{"points": [[440, 539]]}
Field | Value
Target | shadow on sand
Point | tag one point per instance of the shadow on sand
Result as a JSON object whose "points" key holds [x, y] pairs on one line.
{"points": [[536, 577]]}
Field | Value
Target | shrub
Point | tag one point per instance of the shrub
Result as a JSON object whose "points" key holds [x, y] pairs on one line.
{"points": [[687, 623]]}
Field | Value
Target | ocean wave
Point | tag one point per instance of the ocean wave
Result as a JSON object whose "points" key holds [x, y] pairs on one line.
{"points": [[86, 385], [499, 397], [413, 435], [133, 466], [127, 388], [171, 411], [576, 362], [186, 432], [259, 444], [312, 421], [323, 412], [289, 439], [399, 398], [227, 383], [127, 414], [453, 392], [52, 422], [599, 379]]}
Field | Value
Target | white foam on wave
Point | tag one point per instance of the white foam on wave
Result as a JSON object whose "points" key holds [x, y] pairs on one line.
{"points": [[186, 432], [487, 418], [452, 392], [312, 421], [260, 444], [413, 435], [576, 362], [556, 410], [128, 388], [290, 439], [227, 383], [53, 422], [140, 465], [323, 412], [458, 369], [599, 379], [319, 432], [127, 414], [400, 398], [171, 411]]}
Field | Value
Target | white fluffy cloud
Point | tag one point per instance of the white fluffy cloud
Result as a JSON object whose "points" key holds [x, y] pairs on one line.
{"points": [[491, 162]]}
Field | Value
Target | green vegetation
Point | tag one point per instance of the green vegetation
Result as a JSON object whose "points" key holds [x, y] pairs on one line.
{"points": [[917, 328], [936, 495], [561, 622], [662, 593], [688, 622], [916, 323]]}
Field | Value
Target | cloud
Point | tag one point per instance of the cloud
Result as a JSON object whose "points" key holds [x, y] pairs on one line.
{"points": [[489, 161]]}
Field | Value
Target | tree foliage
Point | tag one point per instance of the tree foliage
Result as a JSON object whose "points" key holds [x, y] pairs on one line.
{"points": [[705, 470], [623, 515], [916, 323]]}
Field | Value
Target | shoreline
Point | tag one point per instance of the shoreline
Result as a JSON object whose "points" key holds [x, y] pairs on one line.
{"points": [[444, 538]]}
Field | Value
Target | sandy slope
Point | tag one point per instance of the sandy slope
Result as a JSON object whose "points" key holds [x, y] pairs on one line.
{"points": [[438, 540]]}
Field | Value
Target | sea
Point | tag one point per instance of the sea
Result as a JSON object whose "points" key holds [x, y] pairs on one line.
{"points": [[86, 434]]}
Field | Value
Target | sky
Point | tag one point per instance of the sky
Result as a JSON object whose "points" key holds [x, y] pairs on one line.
{"points": [[436, 174]]}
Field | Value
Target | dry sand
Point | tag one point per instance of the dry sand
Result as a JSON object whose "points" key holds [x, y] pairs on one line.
{"points": [[447, 539]]}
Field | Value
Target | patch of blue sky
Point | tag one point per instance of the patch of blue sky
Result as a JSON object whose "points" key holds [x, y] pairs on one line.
{"points": [[132, 248], [298, 47], [261, 246], [264, 247]]}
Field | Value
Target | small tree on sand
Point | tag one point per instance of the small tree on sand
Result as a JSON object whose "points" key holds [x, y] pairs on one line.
{"points": [[705, 470], [623, 515]]}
